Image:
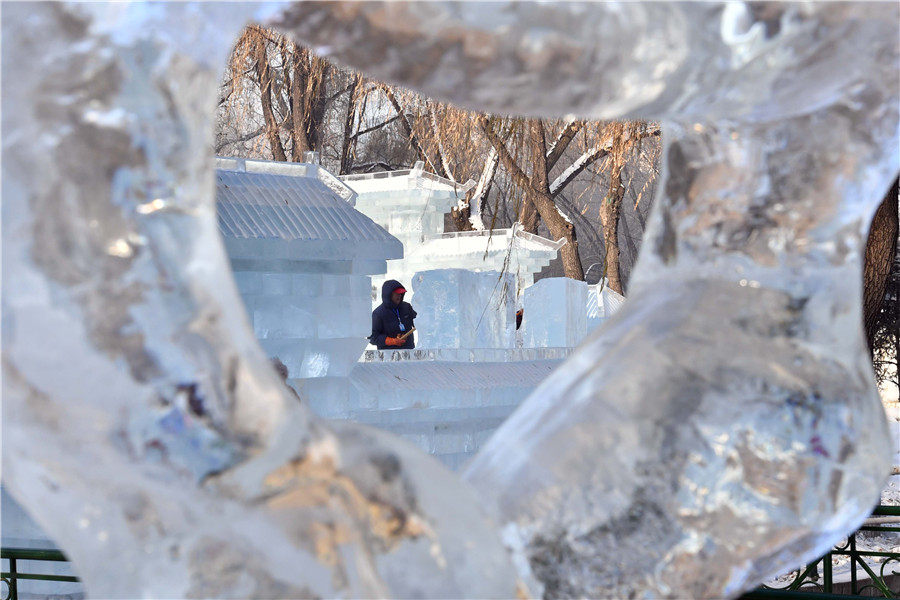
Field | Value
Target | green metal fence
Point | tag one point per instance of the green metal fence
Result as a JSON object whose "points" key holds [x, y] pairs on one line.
{"points": [[12, 577], [880, 579]]}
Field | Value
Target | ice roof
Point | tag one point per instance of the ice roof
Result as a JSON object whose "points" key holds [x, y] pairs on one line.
{"points": [[478, 242], [292, 202], [407, 179]]}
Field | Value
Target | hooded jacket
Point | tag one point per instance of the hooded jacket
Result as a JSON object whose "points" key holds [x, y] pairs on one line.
{"points": [[387, 319]]}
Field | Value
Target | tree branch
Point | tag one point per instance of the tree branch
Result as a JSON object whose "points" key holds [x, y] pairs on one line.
{"points": [[359, 134], [407, 126], [509, 163], [562, 142], [591, 156], [244, 138]]}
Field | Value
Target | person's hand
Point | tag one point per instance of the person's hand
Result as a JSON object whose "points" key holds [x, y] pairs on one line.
{"points": [[394, 341]]}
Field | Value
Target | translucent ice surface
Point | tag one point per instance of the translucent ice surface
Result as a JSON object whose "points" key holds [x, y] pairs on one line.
{"points": [[464, 309], [555, 313], [722, 425], [144, 429]]}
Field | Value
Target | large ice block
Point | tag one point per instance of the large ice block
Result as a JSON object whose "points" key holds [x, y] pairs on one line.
{"points": [[464, 309], [316, 324], [555, 313]]}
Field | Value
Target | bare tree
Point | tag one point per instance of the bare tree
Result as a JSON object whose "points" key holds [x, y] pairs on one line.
{"points": [[279, 100]]}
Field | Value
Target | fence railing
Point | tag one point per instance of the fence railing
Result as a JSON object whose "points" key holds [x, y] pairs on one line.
{"points": [[870, 573], [12, 576]]}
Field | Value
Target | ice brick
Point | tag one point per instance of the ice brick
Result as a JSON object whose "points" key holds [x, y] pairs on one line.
{"points": [[464, 309], [555, 313]]}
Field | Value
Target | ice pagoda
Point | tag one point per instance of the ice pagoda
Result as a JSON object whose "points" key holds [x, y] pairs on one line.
{"points": [[302, 257], [411, 205]]}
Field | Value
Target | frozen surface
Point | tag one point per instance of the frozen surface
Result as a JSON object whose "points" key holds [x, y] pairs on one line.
{"points": [[463, 309], [555, 313], [728, 407]]}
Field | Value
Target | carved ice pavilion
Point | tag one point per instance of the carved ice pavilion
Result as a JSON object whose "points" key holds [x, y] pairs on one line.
{"points": [[411, 205]]}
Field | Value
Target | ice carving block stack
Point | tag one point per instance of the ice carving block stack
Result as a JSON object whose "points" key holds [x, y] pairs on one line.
{"points": [[302, 258], [464, 309], [555, 314]]}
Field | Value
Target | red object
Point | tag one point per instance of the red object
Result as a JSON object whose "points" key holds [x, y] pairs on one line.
{"points": [[400, 290], [392, 341]]}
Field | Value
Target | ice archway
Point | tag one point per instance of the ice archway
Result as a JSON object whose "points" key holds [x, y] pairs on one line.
{"points": [[144, 430]]}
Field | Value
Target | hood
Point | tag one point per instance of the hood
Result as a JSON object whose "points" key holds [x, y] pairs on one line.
{"points": [[388, 288]]}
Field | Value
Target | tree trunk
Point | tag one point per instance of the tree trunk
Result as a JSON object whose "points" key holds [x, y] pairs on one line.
{"points": [[405, 124], [264, 76], [300, 143], [559, 226], [880, 250], [349, 117], [610, 212], [530, 218]]}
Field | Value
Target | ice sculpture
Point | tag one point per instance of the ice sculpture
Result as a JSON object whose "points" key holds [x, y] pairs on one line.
{"points": [[143, 427], [555, 313], [301, 256], [461, 309], [411, 205], [724, 420]]}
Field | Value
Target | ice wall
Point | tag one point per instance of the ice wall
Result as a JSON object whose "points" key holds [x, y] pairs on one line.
{"points": [[446, 408], [555, 313], [316, 324], [463, 309]]}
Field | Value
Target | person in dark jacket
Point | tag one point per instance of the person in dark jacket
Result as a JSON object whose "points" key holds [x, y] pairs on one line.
{"points": [[392, 319]]}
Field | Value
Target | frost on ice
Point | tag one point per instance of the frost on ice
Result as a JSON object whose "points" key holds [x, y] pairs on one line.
{"points": [[724, 421]]}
